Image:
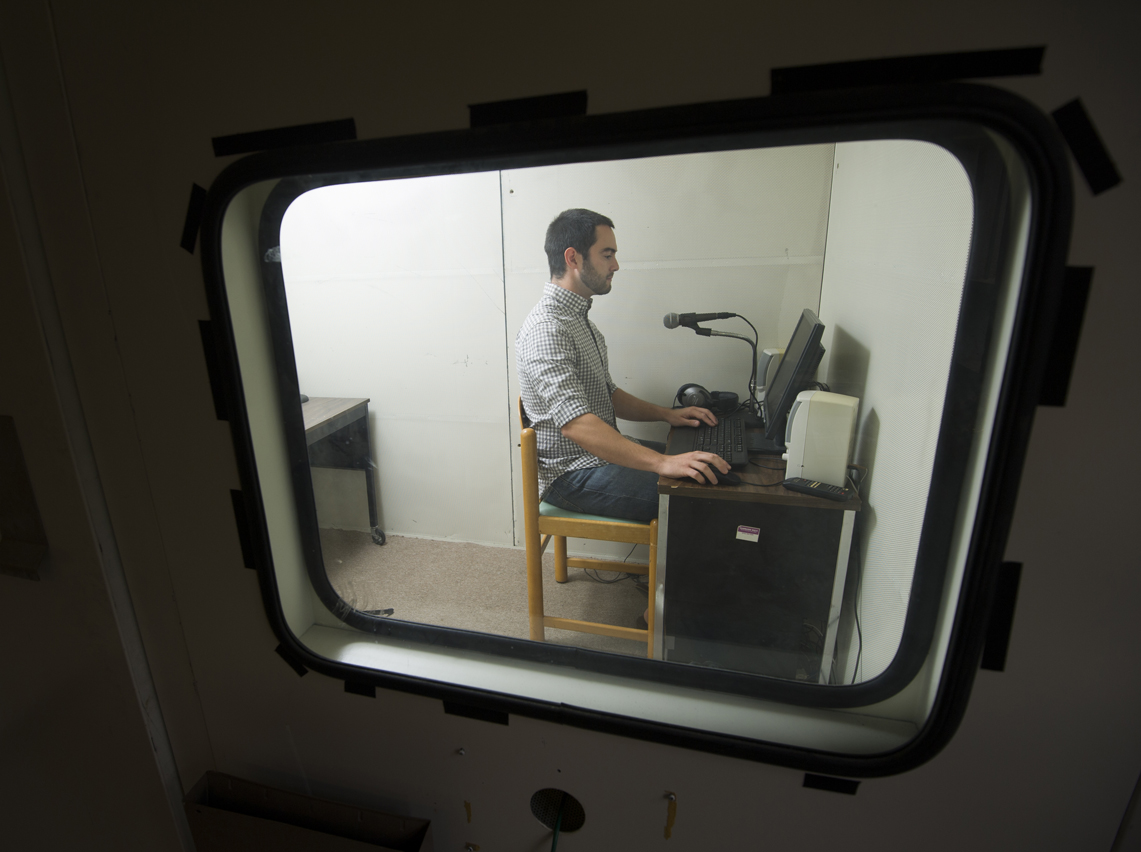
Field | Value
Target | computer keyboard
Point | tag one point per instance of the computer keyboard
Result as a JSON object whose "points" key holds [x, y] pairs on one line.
{"points": [[726, 439]]}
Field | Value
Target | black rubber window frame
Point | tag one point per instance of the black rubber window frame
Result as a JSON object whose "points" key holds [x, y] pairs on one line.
{"points": [[959, 118]]}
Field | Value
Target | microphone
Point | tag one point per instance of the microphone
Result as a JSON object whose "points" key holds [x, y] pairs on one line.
{"points": [[690, 320]]}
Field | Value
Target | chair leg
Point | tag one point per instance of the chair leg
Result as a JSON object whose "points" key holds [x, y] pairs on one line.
{"points": [[535, 586], [653, 588], [560, 559]]}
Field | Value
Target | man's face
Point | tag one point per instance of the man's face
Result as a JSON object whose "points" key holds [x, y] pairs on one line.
{"points": [[600, 265]]}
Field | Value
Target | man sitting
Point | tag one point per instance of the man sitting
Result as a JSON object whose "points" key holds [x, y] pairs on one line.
{"points": [[585, 464]]}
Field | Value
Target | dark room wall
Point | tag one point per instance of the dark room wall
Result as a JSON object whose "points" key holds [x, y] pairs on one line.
{"points": [[143, 658]]}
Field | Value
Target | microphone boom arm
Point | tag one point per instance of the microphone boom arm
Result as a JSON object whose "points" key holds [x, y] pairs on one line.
{"points": [[709, 332]]}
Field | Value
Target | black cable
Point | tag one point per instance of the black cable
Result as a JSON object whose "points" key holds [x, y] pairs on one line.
{"points": [[766, 467], [592, 573], [625, 576], [856, 601], [753, 371]]}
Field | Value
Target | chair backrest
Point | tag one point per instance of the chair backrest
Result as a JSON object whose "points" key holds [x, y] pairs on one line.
{"points": [[529, 451]]}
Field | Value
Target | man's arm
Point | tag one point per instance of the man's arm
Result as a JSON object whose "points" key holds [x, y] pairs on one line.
{"points": [[629, 407], [596, 436]]}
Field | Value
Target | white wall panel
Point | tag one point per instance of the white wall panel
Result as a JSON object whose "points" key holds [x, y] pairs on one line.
{"points": [[739, 231], [395, 293], [898, 238]]}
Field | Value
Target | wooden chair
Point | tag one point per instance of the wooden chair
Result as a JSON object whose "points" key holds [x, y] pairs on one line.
{"points": [[543, 522]]}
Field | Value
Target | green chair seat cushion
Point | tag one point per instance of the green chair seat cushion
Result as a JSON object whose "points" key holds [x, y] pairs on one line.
{"points": [[549, 510]]}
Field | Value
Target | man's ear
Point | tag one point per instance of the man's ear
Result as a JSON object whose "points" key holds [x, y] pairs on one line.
{"points": [[571, 257]]}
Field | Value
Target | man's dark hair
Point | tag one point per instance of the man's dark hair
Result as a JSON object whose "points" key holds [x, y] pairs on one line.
{"points": [[571, 229]]}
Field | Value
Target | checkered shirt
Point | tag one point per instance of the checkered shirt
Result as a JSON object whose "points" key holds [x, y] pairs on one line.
{"points": [[560, 356]]}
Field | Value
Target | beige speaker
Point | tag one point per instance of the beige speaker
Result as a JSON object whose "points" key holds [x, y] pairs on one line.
{"points": [[820, 436]]}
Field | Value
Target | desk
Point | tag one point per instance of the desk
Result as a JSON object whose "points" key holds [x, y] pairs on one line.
{"points": [[336, 433], [766, 602]]}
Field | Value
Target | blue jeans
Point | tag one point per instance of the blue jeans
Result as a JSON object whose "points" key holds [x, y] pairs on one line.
{"points": [[610, 490]]}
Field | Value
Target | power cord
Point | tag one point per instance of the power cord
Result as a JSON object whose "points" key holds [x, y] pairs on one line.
{"points": [[856, 599]]}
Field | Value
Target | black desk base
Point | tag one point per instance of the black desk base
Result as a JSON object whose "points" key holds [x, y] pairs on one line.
{"points": [[752, 606]]}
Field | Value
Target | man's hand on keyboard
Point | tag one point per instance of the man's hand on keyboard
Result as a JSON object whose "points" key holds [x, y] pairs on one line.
{"points": [[699, 466], [690, 416]]}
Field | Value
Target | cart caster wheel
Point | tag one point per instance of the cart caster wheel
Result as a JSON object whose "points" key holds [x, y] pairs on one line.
{"points": [[378, 536]]}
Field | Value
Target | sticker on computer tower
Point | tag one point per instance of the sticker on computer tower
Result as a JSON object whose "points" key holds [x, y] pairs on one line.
{"points": [[748, 533]]}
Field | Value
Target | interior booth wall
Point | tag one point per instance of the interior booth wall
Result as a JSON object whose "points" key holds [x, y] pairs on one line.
{"points": [[396, 292], [898, 239], [738, 231]]}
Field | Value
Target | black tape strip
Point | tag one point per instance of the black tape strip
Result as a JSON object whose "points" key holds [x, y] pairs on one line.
{"points": [[454, 708], [213, 368], [1085, 144], [564, 105], [832, 785], [1001, 617], [294, 663], [342, 130], [194, 212], [932, 68], [1067, 332], [358, 687], [242, 520]]}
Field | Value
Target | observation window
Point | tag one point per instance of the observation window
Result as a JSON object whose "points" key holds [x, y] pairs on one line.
{"points": [[380, 286]]}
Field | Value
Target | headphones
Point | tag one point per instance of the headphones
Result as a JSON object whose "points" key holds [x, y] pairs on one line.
{"points": [[691, 394], [720, 402]]}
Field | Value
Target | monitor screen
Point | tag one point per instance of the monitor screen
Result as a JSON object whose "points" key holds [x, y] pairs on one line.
{"points": [[797, 368]]}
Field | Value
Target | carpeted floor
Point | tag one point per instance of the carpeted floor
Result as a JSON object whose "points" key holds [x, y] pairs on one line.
{"points": [[474, 587]]}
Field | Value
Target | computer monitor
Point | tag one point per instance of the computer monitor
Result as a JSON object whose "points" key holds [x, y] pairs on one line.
{"points": [[796, 371]]}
